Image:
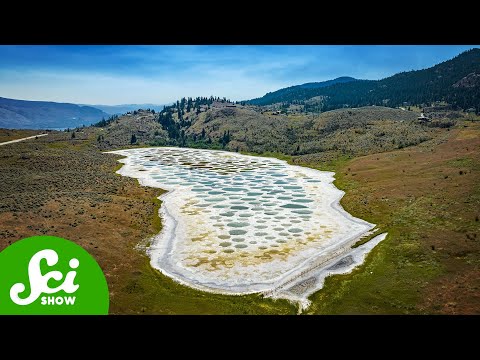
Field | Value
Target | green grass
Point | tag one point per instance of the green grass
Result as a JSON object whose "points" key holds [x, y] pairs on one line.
{"points": [[426, 244], [154, 293], [58, 145], [465, 162], [367, 238], [330, 165], [389, 281], [156, 221], [275, 155], [385, 284]]}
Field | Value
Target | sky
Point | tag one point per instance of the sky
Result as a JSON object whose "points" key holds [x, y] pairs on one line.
{"points": [[133, 74]]}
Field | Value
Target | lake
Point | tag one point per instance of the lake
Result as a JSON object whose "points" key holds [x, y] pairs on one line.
{"points": [[234, 223]]}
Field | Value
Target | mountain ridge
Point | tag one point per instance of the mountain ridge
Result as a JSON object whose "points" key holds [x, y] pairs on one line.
{"points": [[433, 84], [309, 85], [26, 114], [320, 84]]}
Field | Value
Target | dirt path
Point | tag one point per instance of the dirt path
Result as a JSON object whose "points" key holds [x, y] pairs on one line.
{"points": [[18, 140]]}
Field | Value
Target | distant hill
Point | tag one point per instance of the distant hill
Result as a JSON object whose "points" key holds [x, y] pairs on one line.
{"points": [[286, 93], [23, 114], [454, 81], [124, 108]]}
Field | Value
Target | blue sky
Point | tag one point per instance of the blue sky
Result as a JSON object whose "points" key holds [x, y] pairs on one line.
{"points": [[124, 74]]}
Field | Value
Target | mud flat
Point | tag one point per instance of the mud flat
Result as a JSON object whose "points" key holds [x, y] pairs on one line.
{"points": [[239, 224]]}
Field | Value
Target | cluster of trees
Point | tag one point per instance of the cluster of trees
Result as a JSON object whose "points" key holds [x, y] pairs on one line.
{"points": [[201, 141], [173, 128], [176, 126], [315, 107], [225, 138], [104, 123], [187, 104]]}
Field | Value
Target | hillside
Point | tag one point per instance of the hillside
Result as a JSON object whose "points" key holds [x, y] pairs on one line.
{"points": [[272, 97], [454, 81], [209, 123], [118, 132], [22, 114], [355, 131], [321, 84]]}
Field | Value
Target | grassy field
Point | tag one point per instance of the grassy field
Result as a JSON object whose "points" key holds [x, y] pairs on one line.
{"points": [[427, 197]]}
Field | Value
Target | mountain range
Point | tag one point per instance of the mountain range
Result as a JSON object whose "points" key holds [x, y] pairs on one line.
{"points": [[285, 93], [456, 82], [23, 114]]}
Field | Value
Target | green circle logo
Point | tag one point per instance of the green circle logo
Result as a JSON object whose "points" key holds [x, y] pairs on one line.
{"points": [[47, 275]]}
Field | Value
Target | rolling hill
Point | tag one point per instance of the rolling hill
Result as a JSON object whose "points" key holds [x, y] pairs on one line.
{"points": [[23, 114], [456, 82]]}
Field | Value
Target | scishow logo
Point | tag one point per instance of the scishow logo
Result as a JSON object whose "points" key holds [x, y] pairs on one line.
{"points": [[50, 275]]}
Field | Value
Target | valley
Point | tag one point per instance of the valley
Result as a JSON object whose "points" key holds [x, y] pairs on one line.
{"points": [[396, 190], [344, 196]]}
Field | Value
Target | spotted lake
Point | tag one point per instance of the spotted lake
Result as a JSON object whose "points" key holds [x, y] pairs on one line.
{"points": [[240, 224]]}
